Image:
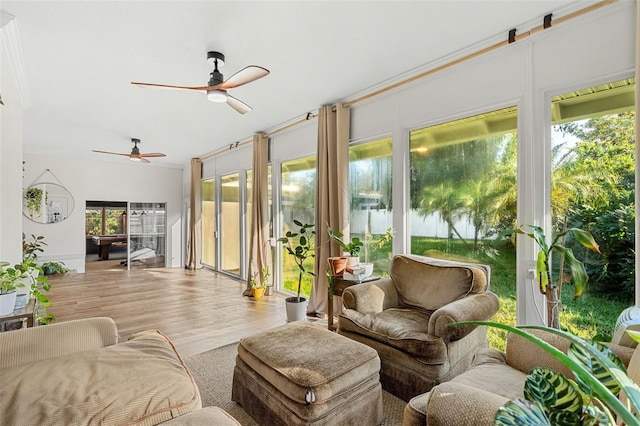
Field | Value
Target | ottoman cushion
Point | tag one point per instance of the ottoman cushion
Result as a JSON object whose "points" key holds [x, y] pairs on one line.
{"points": [[305, 361], [300, 373]]}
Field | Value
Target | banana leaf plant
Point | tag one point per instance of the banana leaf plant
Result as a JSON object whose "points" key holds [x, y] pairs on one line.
{"points": [[553, 290], [590, 399]]}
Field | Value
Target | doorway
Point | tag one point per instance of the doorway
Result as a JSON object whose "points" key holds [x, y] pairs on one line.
{"points": [[106, 236]]}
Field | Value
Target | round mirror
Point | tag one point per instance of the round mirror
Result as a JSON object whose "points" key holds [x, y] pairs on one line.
{"points": [[47, 203]]}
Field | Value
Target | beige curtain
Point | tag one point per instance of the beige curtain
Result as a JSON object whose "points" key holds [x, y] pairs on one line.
{"points": [[194, 246], [637, 201], [259, 246], [332, 198]]}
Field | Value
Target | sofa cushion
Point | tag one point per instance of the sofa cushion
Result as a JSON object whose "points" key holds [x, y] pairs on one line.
{"points": [[143, 381], [429, 284], [403, 329]]}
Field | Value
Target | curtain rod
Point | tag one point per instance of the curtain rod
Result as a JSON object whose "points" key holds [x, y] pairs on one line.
{"points": [[479, 52], [437, 69]]}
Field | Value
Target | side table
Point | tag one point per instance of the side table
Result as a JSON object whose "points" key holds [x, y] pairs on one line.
{"points": [[339, 285], [27, 311]]}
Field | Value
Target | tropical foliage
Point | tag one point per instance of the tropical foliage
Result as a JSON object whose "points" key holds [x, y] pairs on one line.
{"points": [[473, 184]]}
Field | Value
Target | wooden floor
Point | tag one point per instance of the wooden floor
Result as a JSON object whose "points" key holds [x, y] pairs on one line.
{"points": [[199, 310]]}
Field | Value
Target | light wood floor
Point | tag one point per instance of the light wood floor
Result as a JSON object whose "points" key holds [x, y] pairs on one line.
{"points": [[199, 310]]}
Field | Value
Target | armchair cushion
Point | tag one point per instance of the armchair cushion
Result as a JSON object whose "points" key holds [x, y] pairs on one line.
{"points": [[428, 284], [403, 329]]}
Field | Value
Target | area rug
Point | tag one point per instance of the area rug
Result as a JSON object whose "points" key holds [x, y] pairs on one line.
{"points": [[213, 372]]}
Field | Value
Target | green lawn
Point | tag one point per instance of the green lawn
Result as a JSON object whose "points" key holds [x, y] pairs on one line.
{"points": [[591, 314]]}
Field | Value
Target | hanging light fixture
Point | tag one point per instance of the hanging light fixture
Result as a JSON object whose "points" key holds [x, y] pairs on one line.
{"points": [[217, 95]]}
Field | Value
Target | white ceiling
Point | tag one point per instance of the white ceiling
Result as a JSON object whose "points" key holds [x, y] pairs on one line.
{"points": [[80, 57]]}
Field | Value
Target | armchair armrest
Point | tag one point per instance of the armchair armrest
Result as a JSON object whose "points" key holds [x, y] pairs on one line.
{"points": [[50, 341], [476, 307], [373, 297]]}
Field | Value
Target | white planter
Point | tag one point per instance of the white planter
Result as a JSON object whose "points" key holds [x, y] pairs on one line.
{"points": [[7, 303], [296, 311], [23, 294], [352, 261]]}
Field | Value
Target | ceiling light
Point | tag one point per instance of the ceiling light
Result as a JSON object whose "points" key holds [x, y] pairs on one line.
{"points": [[217, 95], [135, 159]]}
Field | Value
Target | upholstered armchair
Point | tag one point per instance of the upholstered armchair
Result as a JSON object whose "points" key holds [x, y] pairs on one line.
{"points": [[405, 317], [474, 397]]}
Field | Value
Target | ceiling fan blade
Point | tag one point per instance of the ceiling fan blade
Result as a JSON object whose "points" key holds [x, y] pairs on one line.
{"points": [[168, 86], [247, 75], [153, 154], [144, 160], [238, 105], [114, 153]]}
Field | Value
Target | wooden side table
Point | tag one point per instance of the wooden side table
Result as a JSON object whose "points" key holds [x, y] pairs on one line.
{"points": [[339, 285], [28, 312]]}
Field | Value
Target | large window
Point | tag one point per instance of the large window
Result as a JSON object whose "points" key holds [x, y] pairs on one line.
{"points": [[592, 188], [298, 192], [105, 218], [209, 222], [463, 193], [370, 166]]}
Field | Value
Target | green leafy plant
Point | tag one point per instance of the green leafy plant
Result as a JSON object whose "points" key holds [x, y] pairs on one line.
{"points": [[51, 268], [353, 247], [263, 283], [552, 399], [548, 287], [34, 196], [32, 247], [303, 250], [10, 278]]}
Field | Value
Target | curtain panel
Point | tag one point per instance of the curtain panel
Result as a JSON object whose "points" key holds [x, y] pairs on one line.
{"points": [[259, 243], [332, 198], [194, 246]]}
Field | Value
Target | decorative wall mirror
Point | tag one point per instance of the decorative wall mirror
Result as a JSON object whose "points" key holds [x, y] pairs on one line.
{"points": [[47, 202]]}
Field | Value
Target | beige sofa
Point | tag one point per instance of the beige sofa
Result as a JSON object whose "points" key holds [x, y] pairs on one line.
{"points": [[474, 397], [405, 317], [75, 373]]}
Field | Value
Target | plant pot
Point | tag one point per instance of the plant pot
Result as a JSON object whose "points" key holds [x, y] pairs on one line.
{"points": [[296, 311], [7, 303], [257, 292], [352, 261], [337, 265]]}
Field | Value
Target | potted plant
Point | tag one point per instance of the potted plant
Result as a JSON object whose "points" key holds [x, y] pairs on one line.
{"points": [[51, 268], [352, 247], [34, 199], [10, 280], [296, 306], [552, 290], [257, 287]]}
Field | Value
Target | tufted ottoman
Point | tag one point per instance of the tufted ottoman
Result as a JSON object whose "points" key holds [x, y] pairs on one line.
{"points": [[302, 374]]}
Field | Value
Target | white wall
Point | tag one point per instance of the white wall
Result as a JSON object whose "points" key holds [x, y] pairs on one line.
{"points": [[593, 49], [10, 164], [108, 181]]}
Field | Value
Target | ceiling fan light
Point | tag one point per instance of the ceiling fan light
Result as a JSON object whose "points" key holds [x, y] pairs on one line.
{"points": [[217, 95], [135, 159]]}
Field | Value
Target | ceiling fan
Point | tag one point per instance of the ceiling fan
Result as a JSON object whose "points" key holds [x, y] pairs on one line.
{"points": [[216, 90], [135, 154]]}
